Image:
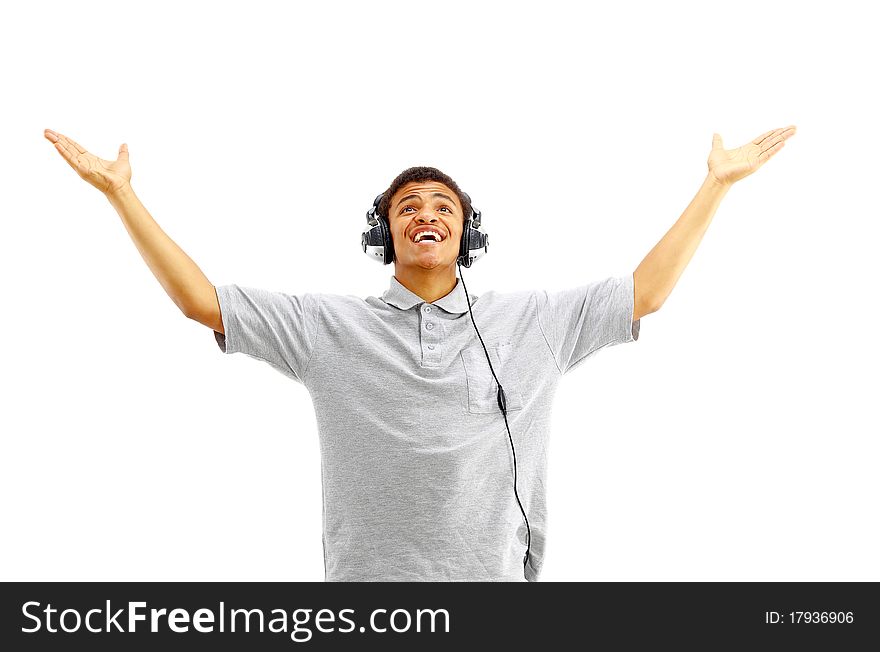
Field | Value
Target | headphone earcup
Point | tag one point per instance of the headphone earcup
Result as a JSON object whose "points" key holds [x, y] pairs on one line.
{"points": [[464, 247], [387, 241]]}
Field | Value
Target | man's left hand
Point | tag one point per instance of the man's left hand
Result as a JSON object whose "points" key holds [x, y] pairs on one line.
{"points": [[727, 166]]}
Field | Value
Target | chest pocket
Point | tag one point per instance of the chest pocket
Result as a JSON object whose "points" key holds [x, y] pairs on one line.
{"points": [[482, 391]]}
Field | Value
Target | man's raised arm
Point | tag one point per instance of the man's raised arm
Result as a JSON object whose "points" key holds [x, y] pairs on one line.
{"points": [[658, 273], [182, 279]]}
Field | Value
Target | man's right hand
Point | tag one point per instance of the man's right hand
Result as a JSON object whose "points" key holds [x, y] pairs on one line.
{"points": [[107, 176]]}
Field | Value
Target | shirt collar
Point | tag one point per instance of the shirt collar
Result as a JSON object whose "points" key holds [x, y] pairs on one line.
{"points": [[401, 297]]}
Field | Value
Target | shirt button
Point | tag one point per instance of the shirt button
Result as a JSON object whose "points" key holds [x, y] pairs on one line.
{"points": [[429, 325], [431, 346], [427, 308]]}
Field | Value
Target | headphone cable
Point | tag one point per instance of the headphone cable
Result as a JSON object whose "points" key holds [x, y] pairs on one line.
{"points": [[502, 403]]}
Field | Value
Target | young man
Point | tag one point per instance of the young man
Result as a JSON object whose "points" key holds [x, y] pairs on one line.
{"points": [[417, 471]]}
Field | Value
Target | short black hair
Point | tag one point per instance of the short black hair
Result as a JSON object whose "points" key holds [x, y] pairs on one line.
{"points": [[423, 173]]}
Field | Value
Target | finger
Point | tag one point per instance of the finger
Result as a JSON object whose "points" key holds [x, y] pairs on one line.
{"points": [[65, 149], [74, 153], [783, 135], [79, 148], [767, 153], [760, 139], [51, 135], [70, 155], [69, 143]]}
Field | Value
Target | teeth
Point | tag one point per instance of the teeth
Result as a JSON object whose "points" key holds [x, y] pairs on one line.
{"points": [[419, 235]]}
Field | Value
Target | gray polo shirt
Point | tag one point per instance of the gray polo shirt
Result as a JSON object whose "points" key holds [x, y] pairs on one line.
{"points": [[416, 466]]}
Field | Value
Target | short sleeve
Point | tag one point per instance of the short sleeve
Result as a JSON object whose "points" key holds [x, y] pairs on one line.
{"points": [[277, 328], [579, 321]]}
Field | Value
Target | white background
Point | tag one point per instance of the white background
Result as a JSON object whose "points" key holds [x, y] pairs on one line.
{"points": [[736, 440]]}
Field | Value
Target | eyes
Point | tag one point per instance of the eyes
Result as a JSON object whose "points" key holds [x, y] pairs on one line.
{"points": [[442, 207]]}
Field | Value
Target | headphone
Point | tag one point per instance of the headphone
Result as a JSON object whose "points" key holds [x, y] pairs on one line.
{"points": [[377, 244]]}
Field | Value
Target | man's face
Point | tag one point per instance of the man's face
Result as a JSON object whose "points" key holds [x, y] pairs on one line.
{"points": [[418, 205]]}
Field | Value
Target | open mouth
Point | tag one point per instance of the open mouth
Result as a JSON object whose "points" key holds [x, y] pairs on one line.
{"points": [[427, 238]]}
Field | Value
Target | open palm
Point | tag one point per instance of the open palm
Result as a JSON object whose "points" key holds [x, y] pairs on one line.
{"points": [[729, 165], [106, 176]]}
